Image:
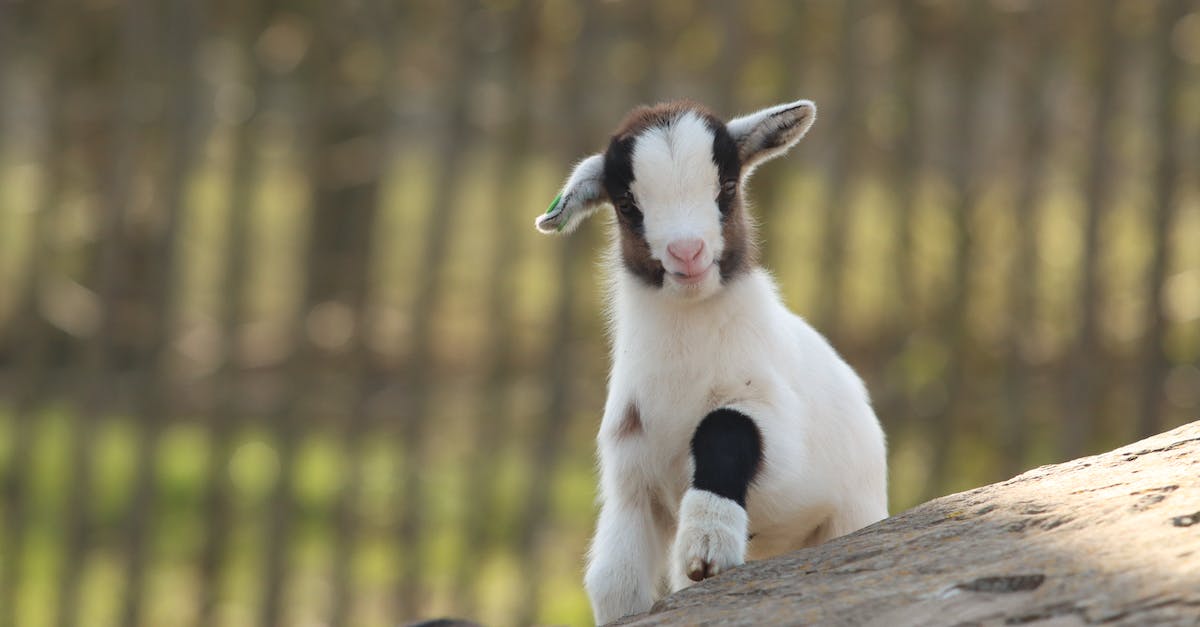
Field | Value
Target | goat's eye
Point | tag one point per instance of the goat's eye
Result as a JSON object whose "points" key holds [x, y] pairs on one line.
{"points": [[728, 190], [628, 208]]}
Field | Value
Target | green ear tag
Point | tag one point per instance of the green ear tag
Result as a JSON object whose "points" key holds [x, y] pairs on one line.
{"points": [[550, 209], [554, 203]]}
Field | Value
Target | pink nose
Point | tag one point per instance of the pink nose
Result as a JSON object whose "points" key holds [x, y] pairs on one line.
{"points": [[687, 251]]}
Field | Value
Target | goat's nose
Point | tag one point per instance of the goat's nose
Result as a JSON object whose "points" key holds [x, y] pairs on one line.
{"points": [[686, 250]]}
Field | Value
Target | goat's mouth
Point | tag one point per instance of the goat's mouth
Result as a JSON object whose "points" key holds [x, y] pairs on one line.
{"points": [[695, 278]]}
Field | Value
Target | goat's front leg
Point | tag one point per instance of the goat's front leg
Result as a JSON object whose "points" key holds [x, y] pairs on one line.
{"points": [[626, 562], [713, 525]]}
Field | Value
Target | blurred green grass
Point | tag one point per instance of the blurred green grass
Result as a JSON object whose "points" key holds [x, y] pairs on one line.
{"points": [[319, 473]]}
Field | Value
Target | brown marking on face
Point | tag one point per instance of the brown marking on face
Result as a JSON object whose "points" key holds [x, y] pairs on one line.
{"points": [[741, 244], [636, 255], [661, 114], [740, 253], [631, 423]]}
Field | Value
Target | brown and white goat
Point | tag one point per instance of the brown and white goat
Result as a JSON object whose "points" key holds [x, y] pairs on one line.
{"points": [[732, 429]]}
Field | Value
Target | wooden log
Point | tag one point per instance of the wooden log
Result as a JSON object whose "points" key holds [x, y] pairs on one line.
{"points": [[1112, 538]]}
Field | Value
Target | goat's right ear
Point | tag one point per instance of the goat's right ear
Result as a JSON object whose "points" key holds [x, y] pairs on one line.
{"points": [[580, 197], [766, 134]]}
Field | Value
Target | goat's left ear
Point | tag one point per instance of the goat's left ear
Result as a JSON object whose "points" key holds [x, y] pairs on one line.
{"points": [[580, 197], [766, 134]]}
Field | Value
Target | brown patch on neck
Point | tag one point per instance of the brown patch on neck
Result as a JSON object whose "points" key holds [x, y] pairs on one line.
{"points": [[631, 423]]}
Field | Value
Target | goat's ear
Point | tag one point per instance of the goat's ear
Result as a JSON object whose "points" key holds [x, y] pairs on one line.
{"points": [[580, 197], [766, 134]]}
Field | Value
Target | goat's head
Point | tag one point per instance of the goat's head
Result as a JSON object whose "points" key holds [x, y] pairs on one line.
{"points": [[674, 174]]}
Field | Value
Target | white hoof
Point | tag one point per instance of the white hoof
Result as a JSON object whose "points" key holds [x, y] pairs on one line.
{"points": [[711, 537]]}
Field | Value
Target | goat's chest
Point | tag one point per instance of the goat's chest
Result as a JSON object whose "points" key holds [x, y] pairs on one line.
{"points": [[663, 387], [674, 380]]}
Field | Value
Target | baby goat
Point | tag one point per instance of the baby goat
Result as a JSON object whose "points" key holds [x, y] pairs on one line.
{"points": [[732, 429]]}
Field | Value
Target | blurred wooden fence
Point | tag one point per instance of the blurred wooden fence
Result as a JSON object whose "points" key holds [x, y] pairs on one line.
{"points": [[278, 343]]}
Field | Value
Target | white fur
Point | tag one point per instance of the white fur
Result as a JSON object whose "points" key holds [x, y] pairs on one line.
{"points": [[684, 350], [711, 537], [676, 186], [824, 469]]}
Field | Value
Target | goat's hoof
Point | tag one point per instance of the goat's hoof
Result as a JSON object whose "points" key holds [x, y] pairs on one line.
{"points": [[708, 555], [699, 570], [711, 538]]}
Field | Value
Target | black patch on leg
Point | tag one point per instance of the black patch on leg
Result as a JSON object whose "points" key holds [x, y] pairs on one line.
{"points": [[727, 451]]}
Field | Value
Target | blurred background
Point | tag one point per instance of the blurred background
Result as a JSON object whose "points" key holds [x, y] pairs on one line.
{"points": [[280, 345]]}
